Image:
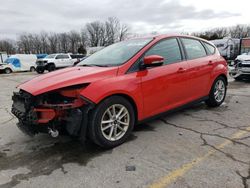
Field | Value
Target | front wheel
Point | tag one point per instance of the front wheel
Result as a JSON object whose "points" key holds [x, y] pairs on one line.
{"points": [[51, 67], [217, 93], [112, 122], [40, 70], [7, 71]]}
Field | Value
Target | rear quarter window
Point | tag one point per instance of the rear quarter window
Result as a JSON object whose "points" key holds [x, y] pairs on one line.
{"points": [[210, 48], [194, 49]]}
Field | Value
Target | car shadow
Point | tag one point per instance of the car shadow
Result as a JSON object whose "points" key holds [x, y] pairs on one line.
{"points": [[43, 160]]}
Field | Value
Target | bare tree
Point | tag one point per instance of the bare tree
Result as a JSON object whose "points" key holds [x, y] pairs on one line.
{"points": [[64, 42], [75, 41], [8, 46], [52, 42], [106, 33], [44, 42], [96, 33], [123, 32], [239, 31]]}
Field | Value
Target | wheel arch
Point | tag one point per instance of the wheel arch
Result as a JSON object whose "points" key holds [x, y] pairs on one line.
{"points": [[51, 63], [32, 67], [224, 76], [11, 70], [127, 97]]}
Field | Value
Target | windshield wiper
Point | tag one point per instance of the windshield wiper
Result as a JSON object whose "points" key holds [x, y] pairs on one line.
{"points": [[93, 65], [100, 65]]}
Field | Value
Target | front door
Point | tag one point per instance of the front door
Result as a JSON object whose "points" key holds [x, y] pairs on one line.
{"points": [[164, 87]]}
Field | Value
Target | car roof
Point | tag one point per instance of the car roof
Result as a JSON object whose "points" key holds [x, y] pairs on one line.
{"points": [[163, 36], [176, 35], [159, 37]]}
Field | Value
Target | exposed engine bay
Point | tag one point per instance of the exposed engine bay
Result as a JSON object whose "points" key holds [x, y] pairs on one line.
{"points": [[60, 111]]}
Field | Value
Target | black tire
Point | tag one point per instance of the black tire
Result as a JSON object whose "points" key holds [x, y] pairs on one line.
{"points": [[7, 71], [211, 101], [239, 78], [32, 69], [94, 129], [51, 67], [40, 70]]}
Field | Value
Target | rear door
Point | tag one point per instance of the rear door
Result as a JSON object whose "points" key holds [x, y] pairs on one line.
{"points": [[67, 60], [200, 67], [164, 87], [60, 60]]}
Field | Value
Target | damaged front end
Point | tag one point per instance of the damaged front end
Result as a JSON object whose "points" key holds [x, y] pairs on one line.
{"points": [[240, 69], [60, 111]]}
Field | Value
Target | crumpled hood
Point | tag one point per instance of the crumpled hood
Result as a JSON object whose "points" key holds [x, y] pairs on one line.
{"points": [[67, 77], [243, 57]]}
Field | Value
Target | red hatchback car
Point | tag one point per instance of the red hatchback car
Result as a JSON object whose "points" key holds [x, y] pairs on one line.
{"points": [[104, 96]]}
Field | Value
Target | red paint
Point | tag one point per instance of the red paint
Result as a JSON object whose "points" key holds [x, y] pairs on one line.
{"points": [[45, 115], [153, 90], [153, 59]]}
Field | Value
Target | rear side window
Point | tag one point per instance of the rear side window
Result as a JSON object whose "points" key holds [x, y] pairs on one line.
{"points": [[65, 56], [194, 48], [169, 49], [210, 48]]}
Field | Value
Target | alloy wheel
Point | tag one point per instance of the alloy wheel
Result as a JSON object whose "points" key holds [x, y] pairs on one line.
{"points": [[115, 122], [219, 91]]}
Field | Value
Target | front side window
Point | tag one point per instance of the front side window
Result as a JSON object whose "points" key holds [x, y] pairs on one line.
{"points": [[169, 49], [194, 48]]}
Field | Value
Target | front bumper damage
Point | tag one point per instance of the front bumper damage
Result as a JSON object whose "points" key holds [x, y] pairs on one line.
{"points": [[239, 69], [38, 114]]}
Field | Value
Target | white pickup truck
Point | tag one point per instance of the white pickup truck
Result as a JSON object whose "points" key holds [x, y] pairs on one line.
{"points": [[56, 61]]}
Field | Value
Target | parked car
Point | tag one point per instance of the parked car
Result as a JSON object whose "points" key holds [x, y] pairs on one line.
{"points": [[18, 63], [240, 68], [126, 83], [56, 61]]}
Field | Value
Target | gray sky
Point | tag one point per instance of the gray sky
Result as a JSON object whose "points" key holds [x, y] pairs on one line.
{"points": [[143, 16]]}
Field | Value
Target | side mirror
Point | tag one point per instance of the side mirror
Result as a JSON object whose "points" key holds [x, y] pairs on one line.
{"points": [[152, 61]]}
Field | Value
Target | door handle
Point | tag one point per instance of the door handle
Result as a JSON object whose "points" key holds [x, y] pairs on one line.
{"points": [[210, 62], [181, 70]]}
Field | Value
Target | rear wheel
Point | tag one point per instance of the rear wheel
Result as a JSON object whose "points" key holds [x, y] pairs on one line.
{"points": [[112, 122], [32, 69], [7, 71], [217, 93]]}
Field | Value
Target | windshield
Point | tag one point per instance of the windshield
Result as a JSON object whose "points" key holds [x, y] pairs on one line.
{"points": [[8, 61], [51, 56], [115, 54]]}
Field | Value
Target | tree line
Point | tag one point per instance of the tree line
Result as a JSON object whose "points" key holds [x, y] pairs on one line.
{"points": [[97, 33], [238, 31]]}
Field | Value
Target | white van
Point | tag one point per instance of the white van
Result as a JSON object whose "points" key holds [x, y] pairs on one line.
{"points": [[19, 62]]}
